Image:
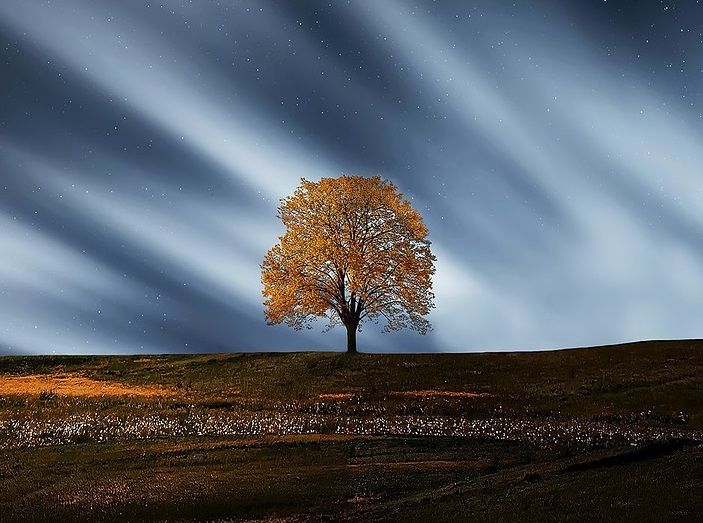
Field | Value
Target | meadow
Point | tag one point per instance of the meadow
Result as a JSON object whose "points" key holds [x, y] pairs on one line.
{"points": [[575, 435]]}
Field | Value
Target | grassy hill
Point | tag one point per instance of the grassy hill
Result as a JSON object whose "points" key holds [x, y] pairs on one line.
{"points": [[582, 434]]}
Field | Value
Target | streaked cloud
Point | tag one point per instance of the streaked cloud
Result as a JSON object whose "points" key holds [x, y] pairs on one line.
{"points": [[146, 146]]}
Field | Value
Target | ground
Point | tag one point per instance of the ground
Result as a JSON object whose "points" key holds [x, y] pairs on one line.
{"points": [[609, 433]]}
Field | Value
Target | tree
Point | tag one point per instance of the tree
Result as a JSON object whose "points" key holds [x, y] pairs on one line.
{"points": [[354, 250]]}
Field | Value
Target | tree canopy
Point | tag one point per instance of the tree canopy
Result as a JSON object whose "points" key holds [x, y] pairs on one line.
{"points": [[354, 250]]}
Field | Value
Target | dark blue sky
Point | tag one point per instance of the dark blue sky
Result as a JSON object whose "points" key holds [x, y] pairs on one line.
{"points": [[555, 150]]}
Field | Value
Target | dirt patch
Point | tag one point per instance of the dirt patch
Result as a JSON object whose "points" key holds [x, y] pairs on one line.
{"points": [[413, 394], [73, 385], [336, 396], [421, 465], [267, 440], [653, 450], [441, 394]]}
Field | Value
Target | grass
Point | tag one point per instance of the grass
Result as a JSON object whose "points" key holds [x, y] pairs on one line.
{"points": [[575, 435]]}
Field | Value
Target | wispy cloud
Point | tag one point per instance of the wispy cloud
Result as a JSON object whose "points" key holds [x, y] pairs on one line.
{"points": [[561, 186]]}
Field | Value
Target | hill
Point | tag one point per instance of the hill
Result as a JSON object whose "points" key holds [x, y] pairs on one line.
{"points": [[581, 434]]}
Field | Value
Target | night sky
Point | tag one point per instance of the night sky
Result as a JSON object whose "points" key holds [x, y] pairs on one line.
{"points": [[554, 149]]}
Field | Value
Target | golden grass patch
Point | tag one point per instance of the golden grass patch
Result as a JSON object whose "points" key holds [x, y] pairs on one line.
{"points": [[73, 385]]}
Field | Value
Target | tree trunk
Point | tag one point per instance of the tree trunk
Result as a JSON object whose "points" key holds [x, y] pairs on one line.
{"points": [[351, 338]]}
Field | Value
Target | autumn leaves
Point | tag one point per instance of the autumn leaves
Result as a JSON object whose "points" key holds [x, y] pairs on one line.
{"points": [[354, 250]]}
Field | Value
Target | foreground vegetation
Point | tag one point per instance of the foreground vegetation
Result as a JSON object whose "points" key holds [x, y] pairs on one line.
{"points": [[590, 434]]}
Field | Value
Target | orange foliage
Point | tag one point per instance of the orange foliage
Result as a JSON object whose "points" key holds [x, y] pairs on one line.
{"points": [[353, 250]]}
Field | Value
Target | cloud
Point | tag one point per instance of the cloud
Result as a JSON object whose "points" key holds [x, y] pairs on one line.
{"points": [[561, 188], [573, 250], [127, 61]]}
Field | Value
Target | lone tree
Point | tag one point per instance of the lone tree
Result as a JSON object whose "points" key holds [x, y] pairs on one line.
{"points": [[354, 250]]}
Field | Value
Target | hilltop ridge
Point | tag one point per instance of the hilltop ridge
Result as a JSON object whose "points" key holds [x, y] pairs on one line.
{"points": [[614, 432]]}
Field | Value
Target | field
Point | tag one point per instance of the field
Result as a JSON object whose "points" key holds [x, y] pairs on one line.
{"points": [[608, 433]]}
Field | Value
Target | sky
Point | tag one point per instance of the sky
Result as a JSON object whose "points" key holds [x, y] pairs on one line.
{"points": [[554, 150]]}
